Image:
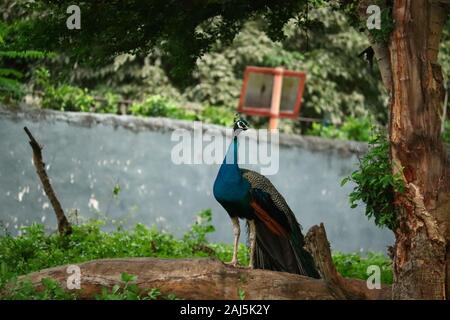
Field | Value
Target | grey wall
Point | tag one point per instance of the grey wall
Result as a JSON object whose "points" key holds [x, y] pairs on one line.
{"points": [[88, 154]]}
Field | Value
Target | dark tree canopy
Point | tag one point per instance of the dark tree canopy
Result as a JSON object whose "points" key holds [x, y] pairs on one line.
{"points": [[182, 30]]}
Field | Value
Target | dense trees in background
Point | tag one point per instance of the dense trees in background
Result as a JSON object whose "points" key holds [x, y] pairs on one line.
{"points": [[340, 84], [145, 42]]}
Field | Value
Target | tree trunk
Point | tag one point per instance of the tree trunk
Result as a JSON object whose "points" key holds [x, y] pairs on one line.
{"points": [[421, 253]]}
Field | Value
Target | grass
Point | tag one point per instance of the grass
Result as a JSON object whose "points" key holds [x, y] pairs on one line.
{"points": [[36, 249]]}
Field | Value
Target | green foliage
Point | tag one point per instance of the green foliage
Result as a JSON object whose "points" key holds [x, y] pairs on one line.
{"points": [[182, 37], [350, 9], [217, 115], [11, 79], [35, 249], [52, 290], [64, 97], [444, 52], [241, 294], [200, 229], [24, 290], [154, 293], [446, 134], [128, 291], [116, 190], [387, 26], [357, 129], [375, 184], [352, 265], [109, 103], [339, 84], [68, 98], [159, 106]]}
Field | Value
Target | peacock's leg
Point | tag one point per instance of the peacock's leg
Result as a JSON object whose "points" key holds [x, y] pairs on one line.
{"points": [[252, 240], [237, 233]]}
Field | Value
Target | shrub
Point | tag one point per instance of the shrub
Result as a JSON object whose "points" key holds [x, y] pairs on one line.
{"points": [[12, 78], [352, 265], [24, 290], [68, 98], [217, 115], [159, 106], [375, 184], [35, 249], [109, 104], [357, 129]]}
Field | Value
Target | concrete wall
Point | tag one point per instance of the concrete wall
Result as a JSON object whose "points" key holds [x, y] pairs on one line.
{"points": [[87, 154]]}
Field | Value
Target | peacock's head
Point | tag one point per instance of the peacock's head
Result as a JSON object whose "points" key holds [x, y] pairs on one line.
{"points": [[239, 125]]}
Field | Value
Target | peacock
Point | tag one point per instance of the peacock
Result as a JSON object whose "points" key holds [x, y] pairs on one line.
{"points": [[274, 235]]}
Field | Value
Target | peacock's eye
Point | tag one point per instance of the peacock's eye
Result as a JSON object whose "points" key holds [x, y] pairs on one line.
{"points": [[241, 124]]}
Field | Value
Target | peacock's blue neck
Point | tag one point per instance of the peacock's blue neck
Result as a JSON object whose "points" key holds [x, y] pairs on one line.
{"points": [[230, 168], [232, 152], [229, 183]]}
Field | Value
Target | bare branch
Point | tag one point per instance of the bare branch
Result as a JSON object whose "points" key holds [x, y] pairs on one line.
{"points": [[64, 226], [319, 247]]}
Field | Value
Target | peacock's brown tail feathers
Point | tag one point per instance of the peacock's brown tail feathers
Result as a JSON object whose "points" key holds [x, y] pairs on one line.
{"points": [[279, 240]]}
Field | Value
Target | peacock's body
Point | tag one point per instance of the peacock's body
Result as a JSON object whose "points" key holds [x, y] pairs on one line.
{"points": [[275, 238]]}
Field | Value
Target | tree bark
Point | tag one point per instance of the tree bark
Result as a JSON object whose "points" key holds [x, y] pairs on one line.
{"points": [[418, 153], [413, 77]]}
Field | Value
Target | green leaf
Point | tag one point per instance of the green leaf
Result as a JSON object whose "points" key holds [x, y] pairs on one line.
{"points": [[125, 277], [115, 288], [344, 181], [375, 183]]}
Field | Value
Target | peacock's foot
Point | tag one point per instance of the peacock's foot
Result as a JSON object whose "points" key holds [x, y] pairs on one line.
{"points": [[233, 263]]}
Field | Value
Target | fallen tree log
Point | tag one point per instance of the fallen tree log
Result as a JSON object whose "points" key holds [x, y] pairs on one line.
{"points": [[209, 278], [199, 278]]}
